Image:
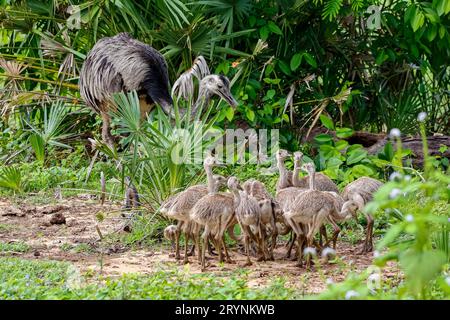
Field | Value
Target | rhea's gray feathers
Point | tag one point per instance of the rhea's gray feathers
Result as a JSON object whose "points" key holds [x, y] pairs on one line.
{"points": [[364, 186], [121, 63], [210, 208], [184, 85]]}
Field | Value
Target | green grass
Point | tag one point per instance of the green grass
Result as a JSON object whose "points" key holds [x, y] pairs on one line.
{"points": [[14, 247], [83, 248], [4, 228], [27, 279]]}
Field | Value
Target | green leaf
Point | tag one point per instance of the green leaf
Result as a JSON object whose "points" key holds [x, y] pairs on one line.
{"points": [[229, 113], [409, 13], [323, 138], [421, 267], [390, 236], [442, 6], [327, 122], [310, 60], [270, 94], [442, 32], [264, 32], [431, 15], [344, 133], [432, 32], [274, 28], [356, 156], [296, 60], [334, 162], [417, 20], [250, 114], [341, 144], [361, 170], [38, 145], [284, 67], [388, 151]]}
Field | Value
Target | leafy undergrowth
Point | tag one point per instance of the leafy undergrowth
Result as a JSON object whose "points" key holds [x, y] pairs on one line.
{"points": [[26, 279], [14, 247]]}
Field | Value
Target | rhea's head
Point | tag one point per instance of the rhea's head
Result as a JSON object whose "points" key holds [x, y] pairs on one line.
{"points": [[298, 157], [233, 183], [218, 85], [309, 167], [282, 154]]}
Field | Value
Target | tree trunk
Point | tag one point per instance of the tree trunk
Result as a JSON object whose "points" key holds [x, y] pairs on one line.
{"points": [[375, 142]]}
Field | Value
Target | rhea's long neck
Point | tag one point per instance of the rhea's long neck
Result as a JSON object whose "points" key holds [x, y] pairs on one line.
{"points": [[202, 100], [282, 169], [296, 181], [312, 180], [211, 183]]}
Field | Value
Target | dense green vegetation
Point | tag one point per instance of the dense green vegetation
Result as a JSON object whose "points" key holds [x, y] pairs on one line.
{"points": [[294, 66]]}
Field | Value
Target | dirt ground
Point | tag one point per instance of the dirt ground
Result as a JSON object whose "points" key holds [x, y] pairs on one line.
{"points": [[78, 242]]}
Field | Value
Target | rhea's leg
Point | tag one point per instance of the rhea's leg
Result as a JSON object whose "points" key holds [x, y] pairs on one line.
{"points": [[106, 130], [335, 234], [205, 243], [368, 242], [186, 243]]}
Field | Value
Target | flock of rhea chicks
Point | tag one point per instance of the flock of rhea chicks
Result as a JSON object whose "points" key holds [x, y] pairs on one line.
{"points": [[302, 206]]}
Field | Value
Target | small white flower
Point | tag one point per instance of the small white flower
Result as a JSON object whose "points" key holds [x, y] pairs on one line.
{"points": [[409, 218], [395, 133], [330, 281], [447, 280], [310, 251], [374, 277], [351, 294], [407, 177], [328, 252], [394, 193], [395, 176], [376, 254], [422, 116], [414, 66]]}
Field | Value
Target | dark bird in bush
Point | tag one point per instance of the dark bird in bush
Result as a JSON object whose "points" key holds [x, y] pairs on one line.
{"points": [[121, 63]]}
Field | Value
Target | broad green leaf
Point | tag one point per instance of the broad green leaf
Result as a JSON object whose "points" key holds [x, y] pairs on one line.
{"points": [[344, 133], [327, 122], [431, 15], [421, 267], [417, 20], [356, 156], [274, 28], [323, 138], [264, 32], [432, 32], [341, 144], [442, 32], [361, 170], [229, 113], [442, 6], [284, 67], [310, 60], [296, 60], [250, 114]]}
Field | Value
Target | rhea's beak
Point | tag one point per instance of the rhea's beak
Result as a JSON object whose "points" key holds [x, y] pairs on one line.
{"points": [[226, 95]]}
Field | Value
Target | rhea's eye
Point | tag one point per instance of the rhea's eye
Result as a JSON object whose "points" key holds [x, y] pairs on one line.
{"points": [[220, 86]]}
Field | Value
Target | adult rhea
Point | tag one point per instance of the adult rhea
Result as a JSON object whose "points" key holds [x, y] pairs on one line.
{"points": [[121, 63]]}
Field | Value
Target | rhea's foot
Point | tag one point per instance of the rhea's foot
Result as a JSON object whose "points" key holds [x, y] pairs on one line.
{"points": [[261, 258], [247, 264]]}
